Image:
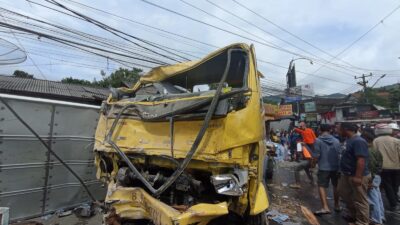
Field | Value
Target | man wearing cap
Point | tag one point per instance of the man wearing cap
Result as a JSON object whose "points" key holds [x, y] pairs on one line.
{"points": [[353, 184], [389, 147]]}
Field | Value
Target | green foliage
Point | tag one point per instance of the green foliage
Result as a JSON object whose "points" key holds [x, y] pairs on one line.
{"points": [[394, 98], [70, 80], [23, 74], [374, 98], [390, 102], [118, 78]]}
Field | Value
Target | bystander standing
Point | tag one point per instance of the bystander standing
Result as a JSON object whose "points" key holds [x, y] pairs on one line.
{"points": [[389, 147], [355, 178], [377, 210], [326, 151]]}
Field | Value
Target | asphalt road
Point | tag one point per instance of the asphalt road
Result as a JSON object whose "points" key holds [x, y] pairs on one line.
{"points": [[282, 198], [288, 200]]}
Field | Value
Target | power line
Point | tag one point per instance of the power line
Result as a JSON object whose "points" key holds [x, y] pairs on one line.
{"points": [[117, 32], [22, 47], [221, 29], [327, 78], [361, 37], [152, 27], [73, 43], [80, 34], [224, 30], [97, 41], [145, 25], [284, 30], [68, 29], [227, 22], [262, 29]]}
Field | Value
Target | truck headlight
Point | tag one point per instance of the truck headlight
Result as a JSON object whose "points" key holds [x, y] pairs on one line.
{"points": [[230, 184]]}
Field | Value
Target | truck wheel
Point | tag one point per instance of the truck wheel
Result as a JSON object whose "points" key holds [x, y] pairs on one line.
{"points": [[259, 219]]}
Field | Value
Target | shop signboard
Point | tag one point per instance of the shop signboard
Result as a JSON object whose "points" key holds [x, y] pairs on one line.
{"points": [[310, 107], [271, 109], [285, 110], [368, 114]]}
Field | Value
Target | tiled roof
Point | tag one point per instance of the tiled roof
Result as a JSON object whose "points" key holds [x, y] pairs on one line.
{"points": [[52, 90]]}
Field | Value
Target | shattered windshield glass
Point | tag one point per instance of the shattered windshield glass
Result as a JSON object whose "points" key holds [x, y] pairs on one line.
{"points": [[203, 78]]}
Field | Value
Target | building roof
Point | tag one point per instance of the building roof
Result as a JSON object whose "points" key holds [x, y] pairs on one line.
{"points": [[52, 90]]}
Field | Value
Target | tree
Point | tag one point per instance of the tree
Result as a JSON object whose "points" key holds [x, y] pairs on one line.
{"points": [[22, 74], [394, 98], [70, 80], [120, 77], [373, 97]]}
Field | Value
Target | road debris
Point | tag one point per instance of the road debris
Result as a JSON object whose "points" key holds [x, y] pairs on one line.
{"points": [[277, 217], [85, 210], [62, 213]]}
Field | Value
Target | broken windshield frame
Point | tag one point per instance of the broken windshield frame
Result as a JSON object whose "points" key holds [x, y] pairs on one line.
{"points": [[202, 79]]}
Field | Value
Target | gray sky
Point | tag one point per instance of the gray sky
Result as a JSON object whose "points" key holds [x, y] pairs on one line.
{"points": [[330, 25]]}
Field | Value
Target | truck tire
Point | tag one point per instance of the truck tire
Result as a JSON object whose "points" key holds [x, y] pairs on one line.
{"points": [[259, 219]]}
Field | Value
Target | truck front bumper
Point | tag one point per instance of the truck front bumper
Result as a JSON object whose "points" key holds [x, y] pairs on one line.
{"points": [[136, 203]]}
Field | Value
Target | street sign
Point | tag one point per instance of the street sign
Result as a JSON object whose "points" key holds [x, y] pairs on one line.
{"points": [[302, 90], [290, 99]]}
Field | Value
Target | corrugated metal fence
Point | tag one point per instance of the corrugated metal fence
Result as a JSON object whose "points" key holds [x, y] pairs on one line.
{"points": [[33, 182]]}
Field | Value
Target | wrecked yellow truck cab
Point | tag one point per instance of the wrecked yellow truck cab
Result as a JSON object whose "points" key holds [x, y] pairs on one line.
{"points": [[185, 144]]}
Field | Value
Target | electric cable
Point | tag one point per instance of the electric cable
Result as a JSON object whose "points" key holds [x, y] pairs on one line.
{"points": [[115, 32], [361, 37]]}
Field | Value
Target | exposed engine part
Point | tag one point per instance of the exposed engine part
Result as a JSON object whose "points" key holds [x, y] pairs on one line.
{"points": [[183, 192], [125, 177], [184, 183], [106, 164]]}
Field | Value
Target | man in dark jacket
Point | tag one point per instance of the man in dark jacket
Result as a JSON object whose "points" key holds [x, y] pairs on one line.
{"points": [[355, 178], [326, 150]]}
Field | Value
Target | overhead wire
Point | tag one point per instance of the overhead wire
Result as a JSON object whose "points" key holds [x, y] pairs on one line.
{"points": [[284, 29], [267, 32], [118, 32], [22, 47], [222, 29], [76, 17], [97, 40], [321, 77], [152, 27], [361, 37], [73, 43]]}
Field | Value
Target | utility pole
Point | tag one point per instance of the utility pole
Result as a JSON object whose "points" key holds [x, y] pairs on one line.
{"points": [[363, 83]]}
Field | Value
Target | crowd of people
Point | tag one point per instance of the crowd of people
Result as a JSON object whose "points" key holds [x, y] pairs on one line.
{"points": [[358, 162]]}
